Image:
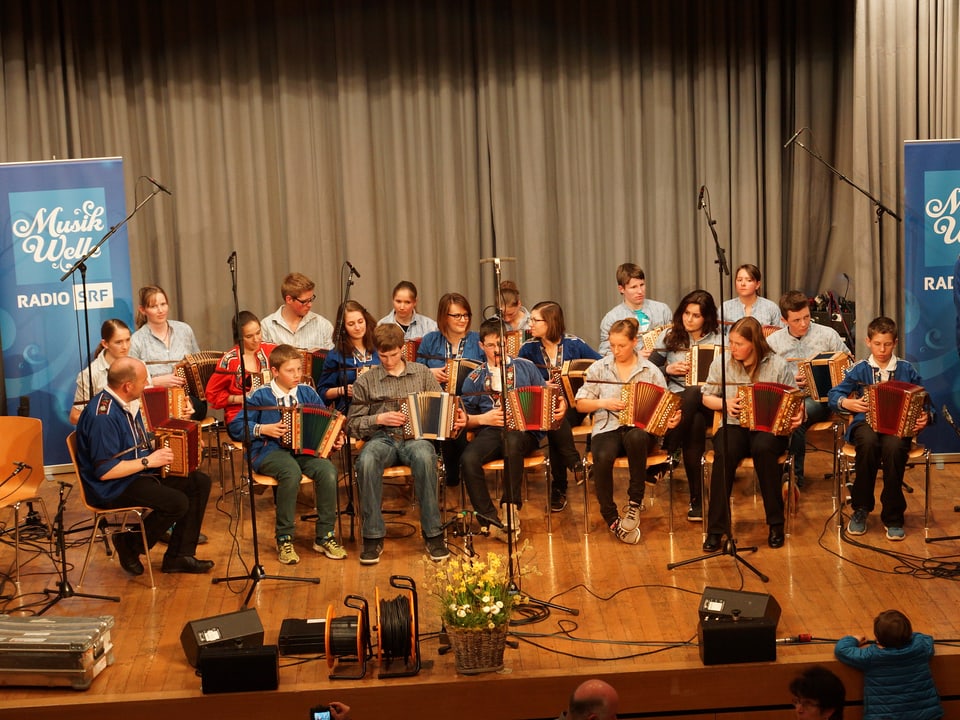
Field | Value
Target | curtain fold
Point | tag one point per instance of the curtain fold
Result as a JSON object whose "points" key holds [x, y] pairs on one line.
{"points": [[415, 138]]}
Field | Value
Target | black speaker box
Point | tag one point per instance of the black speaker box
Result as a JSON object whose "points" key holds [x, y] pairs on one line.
{"points": [[719, 602], [725, 641], [238, 669], [240, 629]]}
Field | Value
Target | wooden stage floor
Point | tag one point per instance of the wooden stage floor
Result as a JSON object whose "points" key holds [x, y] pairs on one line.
{"points": [[637, 621]]}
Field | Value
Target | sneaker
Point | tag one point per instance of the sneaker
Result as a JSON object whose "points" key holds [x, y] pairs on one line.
{"points": [[372, 550], [285, 552], [695, 512], [896, 534], [630, 537], [330, 547], [558, 500], [858, 523], [631, 520], [437, 548]]}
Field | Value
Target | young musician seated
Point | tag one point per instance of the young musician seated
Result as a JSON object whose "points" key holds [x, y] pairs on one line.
{"points": [[510, 307], [549, 348], [803, 339], [600, 395], [749, 302], [376, 418], [694, 324], [632, 285], [265, 426], [119, 468], [750, 360], [873, 448], [482, 400], [352, 355], [294, 322], [405, 315]]}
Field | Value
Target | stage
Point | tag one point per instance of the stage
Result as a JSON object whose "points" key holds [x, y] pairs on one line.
{"points": [[636, 621]]}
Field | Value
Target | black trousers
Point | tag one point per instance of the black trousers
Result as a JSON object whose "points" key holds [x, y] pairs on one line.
{"points": [[492, 444]]}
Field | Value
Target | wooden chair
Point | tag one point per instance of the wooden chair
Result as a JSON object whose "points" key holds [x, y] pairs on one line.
{"points": [[21, 441], [534, 461], [657, 456], [123, 512]]}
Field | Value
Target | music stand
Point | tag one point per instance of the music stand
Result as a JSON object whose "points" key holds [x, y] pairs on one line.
{"points": [[730, 546], [257, 571]]}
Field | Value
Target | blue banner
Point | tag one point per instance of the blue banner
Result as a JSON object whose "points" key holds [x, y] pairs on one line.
{"points": [[52, 214], [931, 336]]}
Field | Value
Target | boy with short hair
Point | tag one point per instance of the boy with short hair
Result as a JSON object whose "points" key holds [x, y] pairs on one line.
{"points": [[804, 339], [873, 448], [265, 427], [632, 285], [897, 681]]}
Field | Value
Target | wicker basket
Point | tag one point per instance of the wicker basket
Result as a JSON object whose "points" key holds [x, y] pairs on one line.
{"points": [[478, 650]]}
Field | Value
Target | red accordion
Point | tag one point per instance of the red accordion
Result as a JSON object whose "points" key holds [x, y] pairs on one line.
{"points": [[532, 408], [769, 407], [165, 415], [648, 406], [893, 407]]}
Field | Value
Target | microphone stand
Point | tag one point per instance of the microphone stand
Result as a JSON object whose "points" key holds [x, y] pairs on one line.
{"points": [[730, 546], [880, 208], [64, 589], [257, 571], [81, 265], [512, 567]]}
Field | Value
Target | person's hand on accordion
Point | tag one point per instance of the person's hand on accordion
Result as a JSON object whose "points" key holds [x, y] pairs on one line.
{"points": [[922, 422], [561, 410], [853, 405], [459, 421], [391, 418], [798, 417], [339, 442], [674, 420], [160, 457], [733, 406], [273, 430]]}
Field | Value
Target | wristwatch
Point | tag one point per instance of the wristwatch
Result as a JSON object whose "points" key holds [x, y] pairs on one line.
{"points": [[145, 461]]}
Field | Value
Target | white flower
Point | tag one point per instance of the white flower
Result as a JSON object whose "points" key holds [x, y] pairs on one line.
{"points": [[486, 598], [453, 606], [499, 604], [461, 613], [495, 610]]}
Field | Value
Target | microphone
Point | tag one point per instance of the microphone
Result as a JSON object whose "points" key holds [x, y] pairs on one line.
{"points": [[353, 270], [19, 468], [232, 259], [494, 260], [789, 142], [700, 204], [159, 186]]}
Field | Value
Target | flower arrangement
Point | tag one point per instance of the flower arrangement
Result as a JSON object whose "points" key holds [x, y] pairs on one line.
{"points": [[474, 593]]}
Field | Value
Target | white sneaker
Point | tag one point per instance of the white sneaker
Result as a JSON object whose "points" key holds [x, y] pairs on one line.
{"points": [[631, 519], [630, 537]]}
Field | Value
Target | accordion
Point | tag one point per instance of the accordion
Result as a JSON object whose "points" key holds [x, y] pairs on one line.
{"points": [[196, 369], [648, 338], [647, 406], [313, 361], [457, 371], [311, 430], [513, 339], [824, 371], [160, 404], [408, 352], [183, 437], [532, 408], [700, 359], [430, 415], [768, 407], [572, 375], [893, 407]]}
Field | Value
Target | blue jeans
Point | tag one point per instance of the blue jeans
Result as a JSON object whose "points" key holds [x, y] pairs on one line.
{"points": [[287, 469], [383, 451]]}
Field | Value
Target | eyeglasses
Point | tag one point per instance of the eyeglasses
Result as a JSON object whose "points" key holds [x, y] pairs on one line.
{"points": [[536, 320], [803, 703], [306, 301], [459, 316], [491, 346]]}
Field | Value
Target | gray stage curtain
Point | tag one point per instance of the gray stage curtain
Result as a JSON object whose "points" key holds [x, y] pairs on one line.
{"points": [[416, 138]]}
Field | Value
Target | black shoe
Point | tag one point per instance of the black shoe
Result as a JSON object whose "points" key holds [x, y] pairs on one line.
{"points": [[558, 500], [695, 512], [126, 553], [186, 564], [372, 550], [775, 538], [437, 548], [713, 542]]}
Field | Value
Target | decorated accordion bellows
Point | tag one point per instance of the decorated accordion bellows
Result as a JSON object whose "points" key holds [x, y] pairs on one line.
{"points": [[700, 358], [893, 407], [572, 374], [457, 371], [824, 371], [164, 411], [768, 406], [196, 369], [532, 408], [313, 361], [430, 415], [310, 430], [408, 351], [513, 339], [647, 406]]}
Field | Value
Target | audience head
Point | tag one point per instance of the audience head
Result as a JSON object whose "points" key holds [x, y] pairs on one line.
{"points": [[818, 694], [892, 629], [553, 327], [593, 700]]}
